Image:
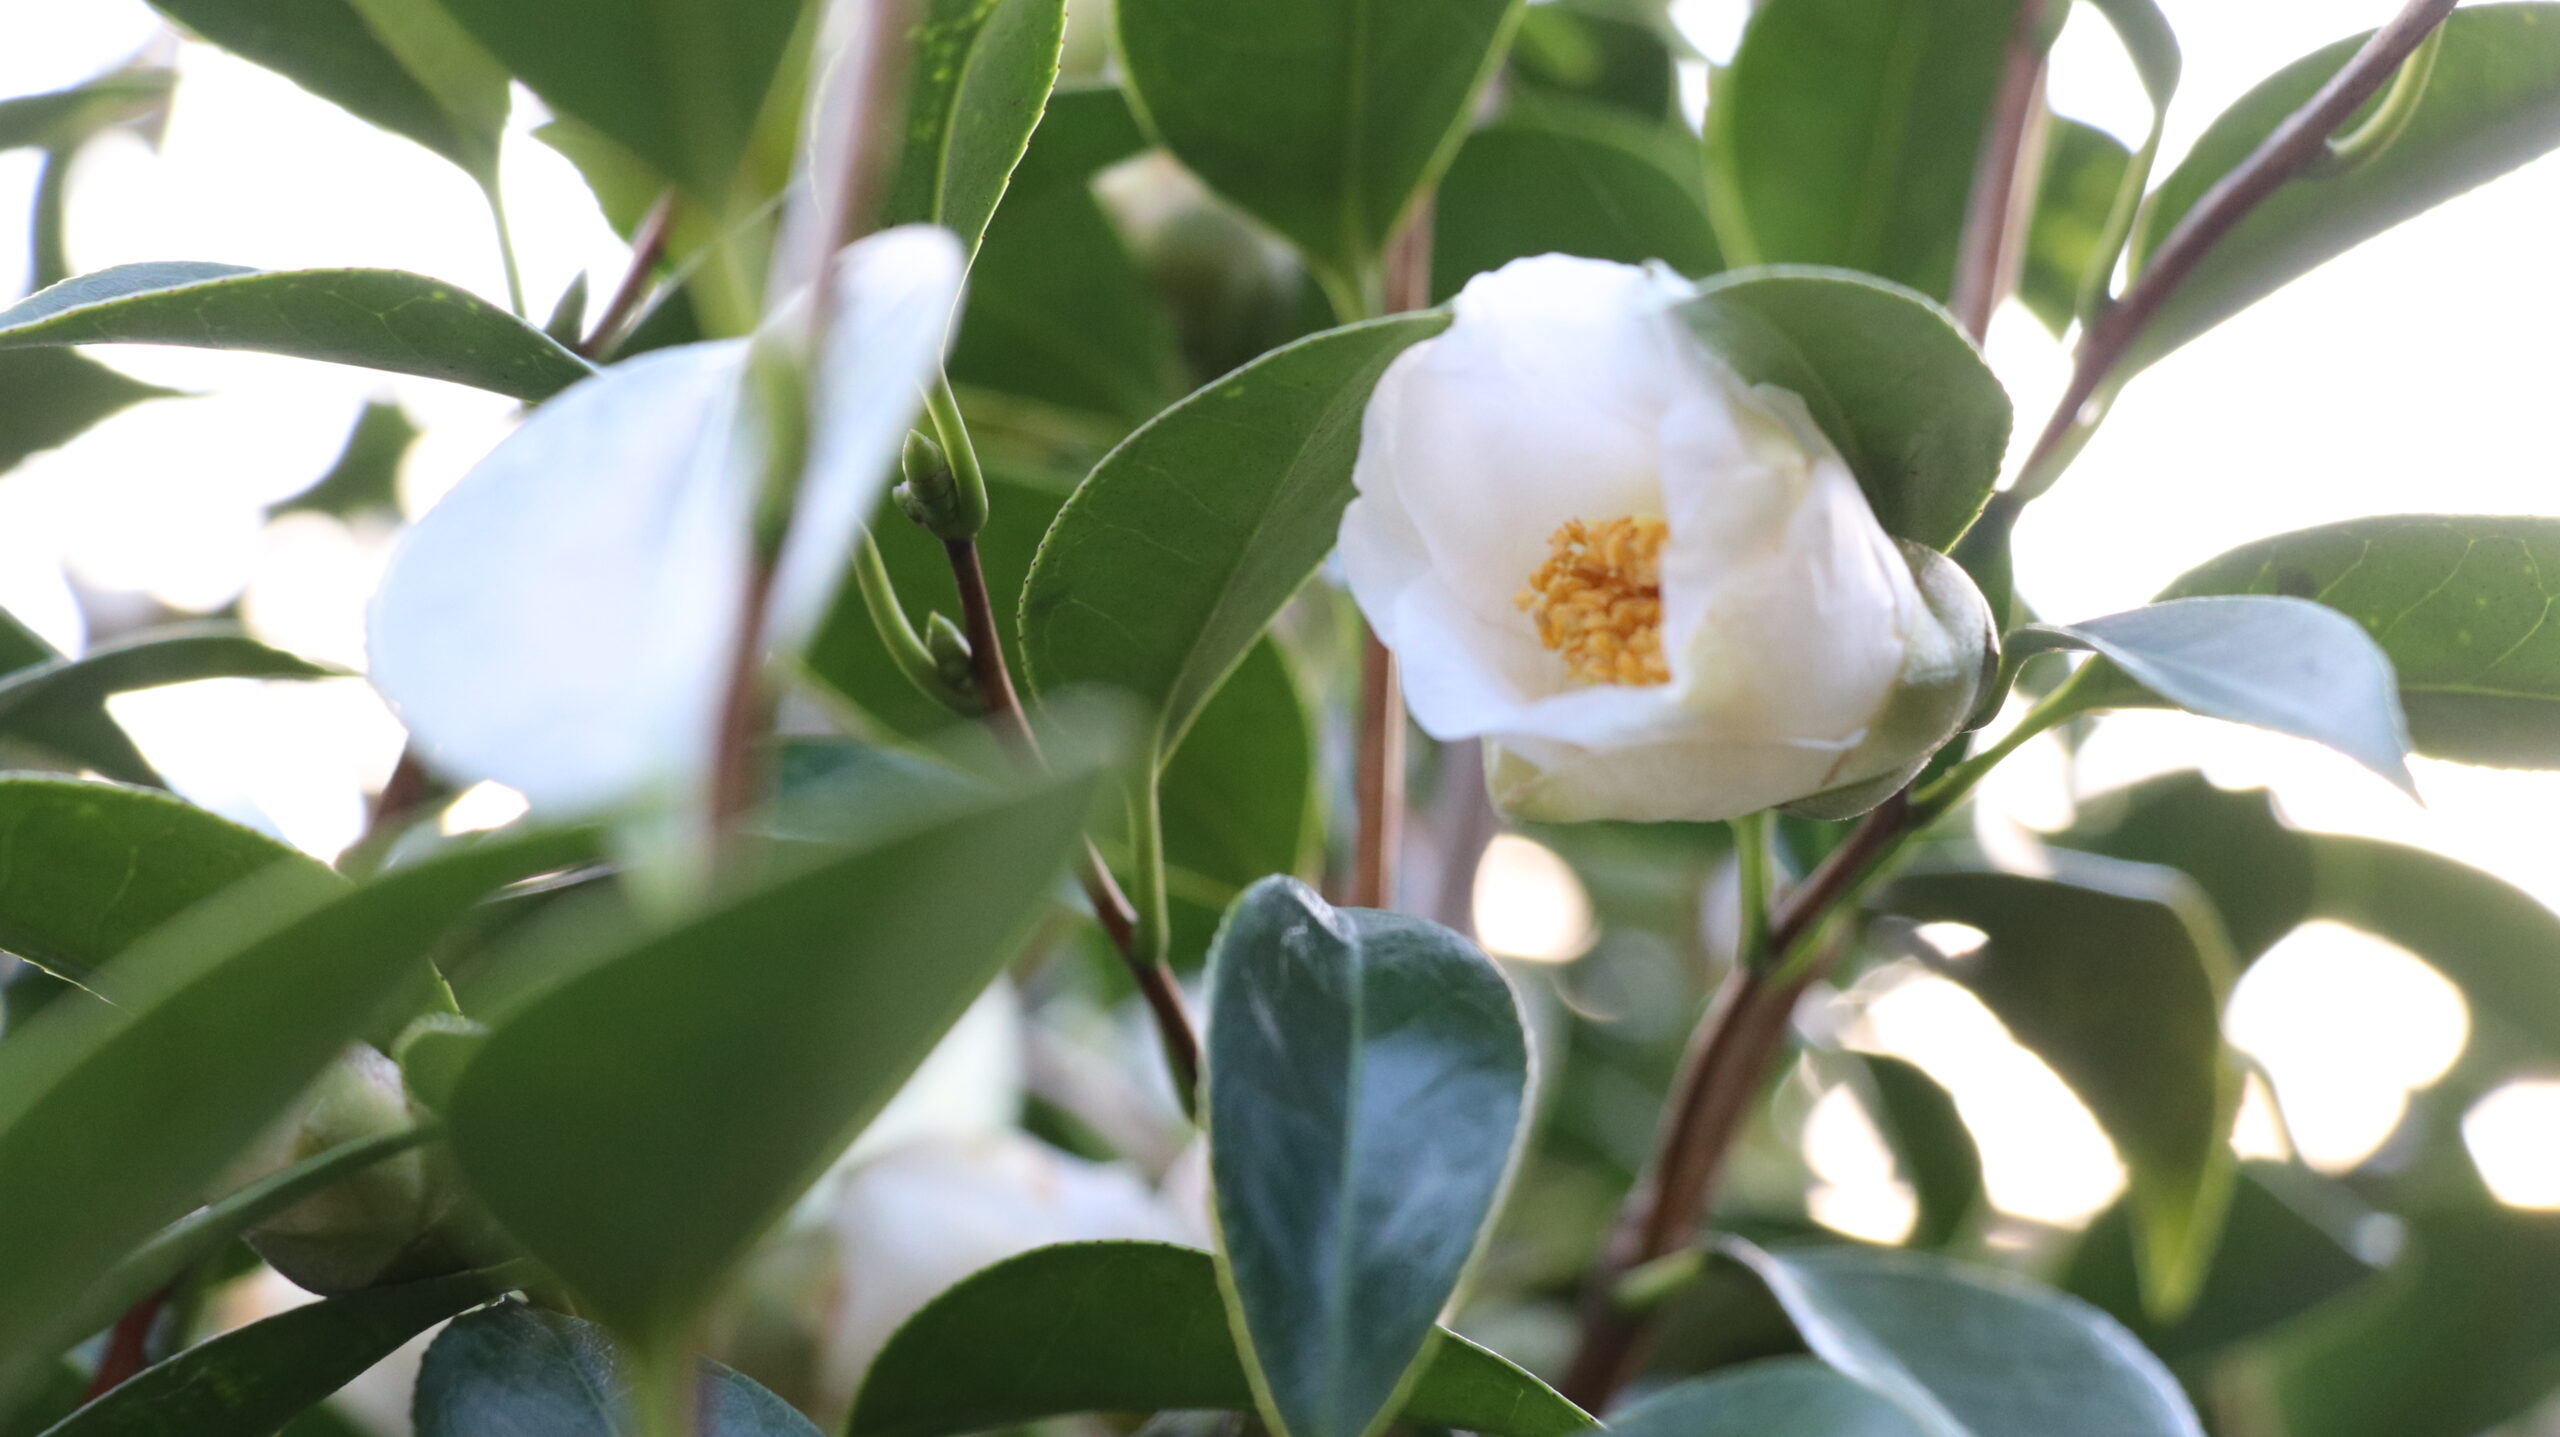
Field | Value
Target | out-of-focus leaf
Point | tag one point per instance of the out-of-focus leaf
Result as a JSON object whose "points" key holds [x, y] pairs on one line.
{"points": [[2084, 167], [60, 704], [1578, 53], [1846, 131], [115, 1116], [1569, 182], [365, 478], [93, 866], [52, 396], [981, 73], [376, 318], [755, 1037], [1254, 473], [1931, 1144], [1133, 1327], [330, 48], [511, 1371], [2460, 603], [2492, 104], [2115, 973], [1775, 1397], [250, 1381], [2277, 663], [89, 739], [1322, 118], [2294, 1242], [2258, 872], [1239, 796], [1970, 1351], [1364, 1086], [1914, 410], [56, 1396], [680, 83]]}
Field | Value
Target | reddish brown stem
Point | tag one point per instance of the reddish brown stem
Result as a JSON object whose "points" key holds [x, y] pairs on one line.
{"points": [[128, 1345], [1998, 207], [737, 775], [1380, 779], [648, 246]]}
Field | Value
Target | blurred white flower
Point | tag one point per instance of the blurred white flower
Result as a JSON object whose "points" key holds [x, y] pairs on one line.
{"points": [[1657, 591], [562, 621]]}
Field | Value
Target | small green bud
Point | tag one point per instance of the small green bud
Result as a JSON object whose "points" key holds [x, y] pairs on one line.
{"points": [[931, 496], [352, 1233], [953, 662]]}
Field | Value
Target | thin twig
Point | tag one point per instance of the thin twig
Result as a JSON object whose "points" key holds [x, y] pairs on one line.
{"points": [[128, 1348], [648, 247], [737, 774], [1987, 255]]}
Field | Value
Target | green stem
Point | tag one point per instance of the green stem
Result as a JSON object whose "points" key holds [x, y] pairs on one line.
{"points": [[942, 407], [666, 1390], [1751, 862], [2387, 123], [1154, 936], [506, 245], [889, 619]]}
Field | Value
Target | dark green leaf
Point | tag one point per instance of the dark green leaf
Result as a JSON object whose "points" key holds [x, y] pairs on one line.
{"points": [[53, 396], [2115, 973], [1254, 473], [1577, 53], [679, 83], [2258, 871], [87, 739], [377, 318], [115, 1117], [365, 479], [55, 1397], [1931, 1145], [1969, 1351], [1363, 1093], [1775, 1397], [1888, 376], [2295, 1242], [1846, 131], [60, 704], [65, 117], [512, 1371], [90, 867], [2277, 663], [2084, 167], [755, 1037], [982, 71], [250, 1381], [1132, 1327], [1592, 184], [1239, 795], [2460, 603], [1322, 118]]}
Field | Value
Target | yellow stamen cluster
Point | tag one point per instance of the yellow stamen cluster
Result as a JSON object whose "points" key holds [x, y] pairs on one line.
{"points": [[1597, 600]]}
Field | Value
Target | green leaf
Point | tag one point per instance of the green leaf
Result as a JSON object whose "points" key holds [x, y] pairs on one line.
{"points": [[1568, 182], [65, 117], [1058, 309], [2277, 663], [1953, 1345], [60, 704], [2460, 604], [2492, 105], [1239, 796], [1132, 1327], [982, 71], [1774, 1397], [1253, 473], [377, 318], [1888, 376], [215, 1022], [2115, 974], [679, 83], [2084, 169], [89, 739], [1363, 1094], [1846, 131], [1322, 118], [1931, 1145], [91, 867], [2258, 872], [1574, 52], [329, 48], [511, 1370], [54, 396], [756, 1037], [365, 478], [250, 1381], [2295, 1243], [58, 1393]]}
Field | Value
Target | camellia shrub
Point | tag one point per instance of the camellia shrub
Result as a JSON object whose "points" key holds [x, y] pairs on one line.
{"points": [[957, 601]]}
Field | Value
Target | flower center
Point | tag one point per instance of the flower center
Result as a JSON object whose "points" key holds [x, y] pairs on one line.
{"points": [[1597, 600]]}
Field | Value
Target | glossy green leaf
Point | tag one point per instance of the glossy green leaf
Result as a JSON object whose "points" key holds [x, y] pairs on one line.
{"points": [[49, 397], [2492, 105], [1774, 1397], [2115, 973], [250, 1381], [755, 1037], [1254, 473], [1058, 309], [87, 868], [982, 72], [1931, 1145], [1846, 131], [1954, 1345], [1569, 182], [1323, 118], [376, 318], [2277, 663], [2460, 604], [1888, 376], [513, 1371], [60, 704], [2084, 168], [365, 478], [679, 83], [90, 739], [1239, 796], [1363, 1093], [2294, 1243], [1132, 1327], [330, 48], [116, 1116]]}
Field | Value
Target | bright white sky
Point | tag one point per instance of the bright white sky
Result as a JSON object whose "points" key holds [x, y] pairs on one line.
{"points": [[2410, 375]]}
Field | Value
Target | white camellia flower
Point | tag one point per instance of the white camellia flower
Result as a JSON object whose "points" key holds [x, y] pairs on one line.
{"points": [[562, 622], [1655, 590]]}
